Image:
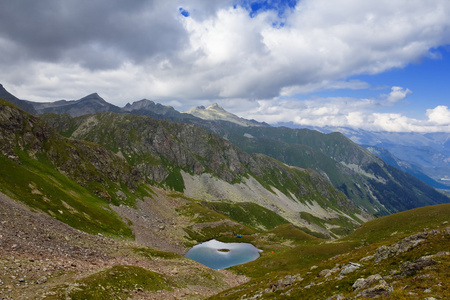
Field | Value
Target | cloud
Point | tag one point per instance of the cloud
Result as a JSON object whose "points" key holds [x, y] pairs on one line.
{"points": [[187, 52], [344, 112], [95, 34], [440, 115], [398, 93]]}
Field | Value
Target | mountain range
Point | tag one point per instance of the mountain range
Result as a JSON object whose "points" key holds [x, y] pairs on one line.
{"points": [[423, 155], [159, 178]]}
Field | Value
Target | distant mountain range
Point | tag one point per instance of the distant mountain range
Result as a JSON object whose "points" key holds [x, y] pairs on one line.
{"points": [[424, 155]]}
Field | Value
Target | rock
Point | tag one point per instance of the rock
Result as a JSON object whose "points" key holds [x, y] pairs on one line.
{"points": [[381, 289], [336, 297], [410, 268], [325, 273], [440, 254], [362, 283], [404, 245], [283, 283], [351, 267], [370, 257], [41, 280]]}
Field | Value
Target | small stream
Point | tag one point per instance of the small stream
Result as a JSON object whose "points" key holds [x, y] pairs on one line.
{"points": [[218, 255]]}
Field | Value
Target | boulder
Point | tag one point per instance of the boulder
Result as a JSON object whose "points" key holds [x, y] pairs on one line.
{"points": [[362, 283], [380, 290], [351, 267]]}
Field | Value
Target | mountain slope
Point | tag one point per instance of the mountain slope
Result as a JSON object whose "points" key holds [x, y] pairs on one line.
{"points": [[26, 106], [401, 256], [71, 180], [410, 168], [428, 151], [363, 177], [191, 160]]}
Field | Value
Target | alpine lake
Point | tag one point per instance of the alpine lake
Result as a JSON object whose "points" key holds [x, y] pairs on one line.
{"points": [[217, 255]]}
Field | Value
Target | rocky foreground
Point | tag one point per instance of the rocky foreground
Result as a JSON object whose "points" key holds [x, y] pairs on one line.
{"points": [[43, 258], [416, 267]]}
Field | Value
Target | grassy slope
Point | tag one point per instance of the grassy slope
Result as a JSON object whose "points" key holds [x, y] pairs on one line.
{"points": [[42, 187], [69, 180], [286, 251]]}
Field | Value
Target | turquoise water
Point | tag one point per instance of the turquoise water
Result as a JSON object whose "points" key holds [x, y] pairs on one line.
{"points": [[208, 253]]}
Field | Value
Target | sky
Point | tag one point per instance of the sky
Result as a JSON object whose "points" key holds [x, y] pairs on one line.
{"points": [[380, 65]]}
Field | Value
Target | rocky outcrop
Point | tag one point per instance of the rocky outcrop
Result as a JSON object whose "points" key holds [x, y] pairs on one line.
{"points": [[379, 290], [349, 268], [362, 283], [404, 245], [411, 268]]}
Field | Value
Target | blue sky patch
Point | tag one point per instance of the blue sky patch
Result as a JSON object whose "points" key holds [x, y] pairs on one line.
{"points": [[255, 7], [184, 12]]}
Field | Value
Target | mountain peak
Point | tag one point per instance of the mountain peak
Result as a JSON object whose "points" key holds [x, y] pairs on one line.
{"points": [[4, 94], [215, 112], [140, 104], [215, 106], [93, 96]]}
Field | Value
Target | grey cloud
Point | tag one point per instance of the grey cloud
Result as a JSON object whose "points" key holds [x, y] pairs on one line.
{"points": [[96, 34]]}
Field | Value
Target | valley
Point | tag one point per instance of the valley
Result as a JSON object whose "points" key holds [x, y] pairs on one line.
{"points": [[101, 202]]}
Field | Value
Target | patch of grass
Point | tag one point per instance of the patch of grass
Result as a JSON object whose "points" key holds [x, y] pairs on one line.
{"points": [[401, 224], [151, 253], [175, 181], [119, 282], [291, 232], [346, 226], [199, 214], [221, 231], [250, 214]]}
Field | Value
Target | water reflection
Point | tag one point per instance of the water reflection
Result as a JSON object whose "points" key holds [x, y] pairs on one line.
{"points": [[218, 255]]}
